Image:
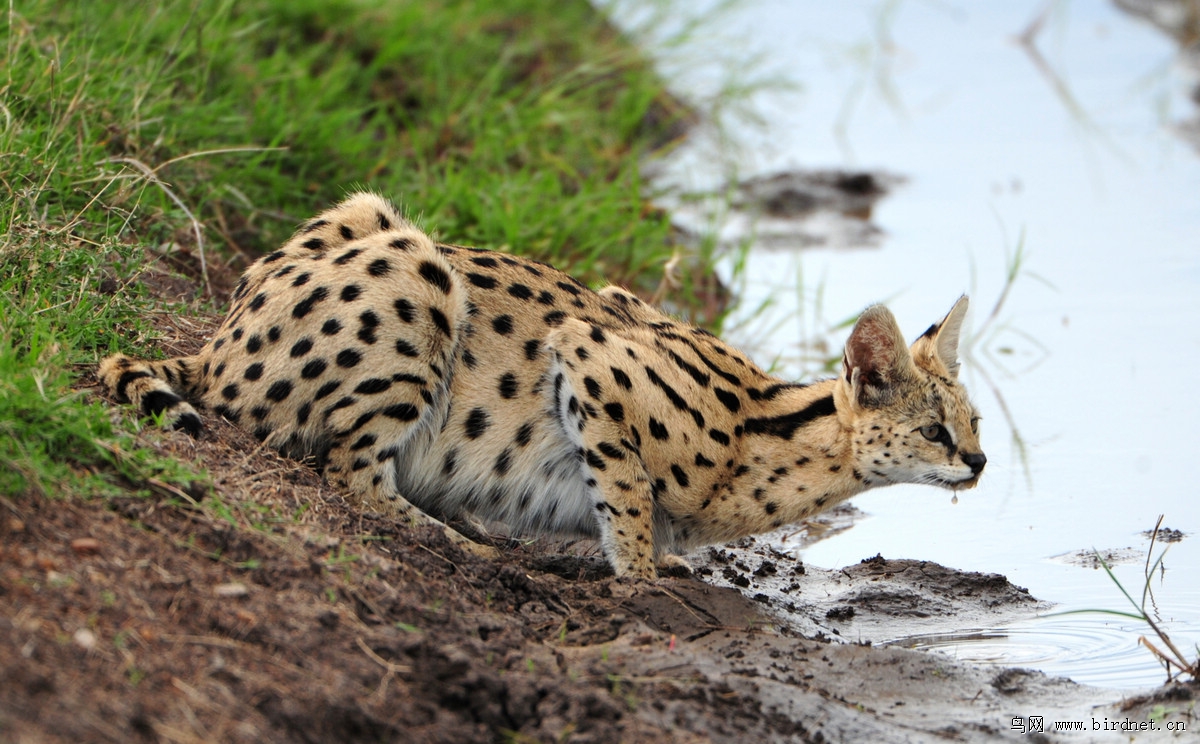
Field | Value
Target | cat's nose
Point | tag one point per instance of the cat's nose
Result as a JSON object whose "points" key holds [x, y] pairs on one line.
{"points": [[975, 461]]}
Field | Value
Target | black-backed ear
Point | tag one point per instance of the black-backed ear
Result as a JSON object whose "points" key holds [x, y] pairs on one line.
{"points": [[939, 345], [876, 358]]}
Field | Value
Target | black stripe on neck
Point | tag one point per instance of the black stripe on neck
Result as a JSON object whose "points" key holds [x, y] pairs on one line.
{"points": [[785, 426]]}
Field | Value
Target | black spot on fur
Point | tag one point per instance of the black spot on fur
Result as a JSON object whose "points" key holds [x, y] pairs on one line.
{"points": [[595, 461], [279, 390], [405, 310], [300, 348], [771, 392], [508, 385], [611, 451], [681, 476], [477, 423], [435, 275], [327, 389], [387, 454], [503, 462], [405, 377], [347, 257], [482, 281], [502, 324], [366, 440], [348, 358], [593, 387], [313, 369], [373, 386], [254, 371], [351, 292], [305, 306], [658, 430], [401, 412], [369, 321], [331, 327], [379, 267], [728, 399], [439, 320]]}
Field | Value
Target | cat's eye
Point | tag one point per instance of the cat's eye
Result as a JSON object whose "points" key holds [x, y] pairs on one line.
{"points": [[933, 432], [974, 424]]}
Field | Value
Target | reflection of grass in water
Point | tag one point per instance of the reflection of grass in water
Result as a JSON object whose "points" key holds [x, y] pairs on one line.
{"points": [[1062, 90], [815, 353], [874, 58], [977, 347], [1172, 657]]}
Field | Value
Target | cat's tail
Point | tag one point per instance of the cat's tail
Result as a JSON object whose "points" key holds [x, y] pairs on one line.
{"points": [[156, 388]]}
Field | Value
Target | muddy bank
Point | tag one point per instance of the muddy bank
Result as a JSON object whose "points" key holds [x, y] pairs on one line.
{"points": [[268, 610]]}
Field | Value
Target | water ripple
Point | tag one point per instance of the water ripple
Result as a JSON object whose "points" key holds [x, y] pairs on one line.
{"points": [[1093, 651]]}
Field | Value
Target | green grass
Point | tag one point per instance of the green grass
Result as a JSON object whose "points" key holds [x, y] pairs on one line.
{"points": [[52, 439], [1175, 661], [192, 137]]}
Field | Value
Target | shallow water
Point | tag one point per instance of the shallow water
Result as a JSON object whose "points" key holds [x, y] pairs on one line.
{"points": [[1087, 378]]}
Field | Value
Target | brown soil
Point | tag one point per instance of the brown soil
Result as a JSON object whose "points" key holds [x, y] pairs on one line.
{"points": [[267, 609]]}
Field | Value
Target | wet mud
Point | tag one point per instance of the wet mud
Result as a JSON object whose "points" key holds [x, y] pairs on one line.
{"points": [[268, 609]]}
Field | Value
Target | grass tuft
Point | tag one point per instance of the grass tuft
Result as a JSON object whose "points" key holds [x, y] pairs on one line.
{"points": [[1174, 661], [153, 152]]}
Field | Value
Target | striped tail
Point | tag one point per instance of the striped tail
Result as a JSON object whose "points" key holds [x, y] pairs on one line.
{"points": [[154, 387]]}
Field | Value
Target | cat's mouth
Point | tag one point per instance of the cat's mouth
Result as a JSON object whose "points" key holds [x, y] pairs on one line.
{"points": [[958, 485], [963, 485]]}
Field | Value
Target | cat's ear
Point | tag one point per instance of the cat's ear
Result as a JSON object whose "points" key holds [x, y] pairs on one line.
{"points": [[936, 351], [876, 358]]}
